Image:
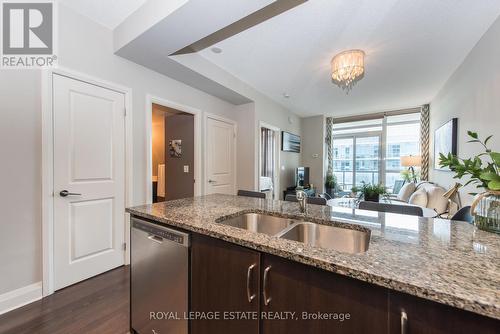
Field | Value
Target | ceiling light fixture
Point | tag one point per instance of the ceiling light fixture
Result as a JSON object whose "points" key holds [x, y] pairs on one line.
{"points": [[348, 67]]}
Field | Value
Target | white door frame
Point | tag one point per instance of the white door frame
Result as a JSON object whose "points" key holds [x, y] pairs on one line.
{"points": [[150, 99], [276, 181], [235, 142], [48, 165]]}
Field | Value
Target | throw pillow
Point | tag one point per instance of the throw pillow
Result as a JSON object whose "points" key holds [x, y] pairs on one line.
{"points": [[406, 191], [435, 199], [419, 198]]}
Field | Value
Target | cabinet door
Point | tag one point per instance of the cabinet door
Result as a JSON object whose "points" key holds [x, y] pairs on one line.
{"points": [[224, 278], [413, 315], [352, 306]]}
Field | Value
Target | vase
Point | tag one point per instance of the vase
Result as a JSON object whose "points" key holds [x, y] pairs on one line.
{"points": [[487, 213], [330, 191], [372, 198]]}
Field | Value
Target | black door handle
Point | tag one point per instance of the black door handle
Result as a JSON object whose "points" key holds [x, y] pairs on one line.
{"points": [[65, 193]]}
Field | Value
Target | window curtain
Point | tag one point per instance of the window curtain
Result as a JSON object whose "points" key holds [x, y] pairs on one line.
{"points": [[424, 141], [267, 151], [329, 145]]}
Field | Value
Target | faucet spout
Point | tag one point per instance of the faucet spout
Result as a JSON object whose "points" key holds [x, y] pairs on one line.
{"points": [[302, 199]]}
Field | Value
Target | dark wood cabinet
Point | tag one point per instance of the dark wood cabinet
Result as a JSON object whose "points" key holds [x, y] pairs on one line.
{"points": [[412, 315], [347, 305], [286, 297], [224, 278]]}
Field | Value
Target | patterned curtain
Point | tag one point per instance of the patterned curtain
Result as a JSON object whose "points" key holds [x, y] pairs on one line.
{"points": [[267, 149], [329, 144], [424, 141]]}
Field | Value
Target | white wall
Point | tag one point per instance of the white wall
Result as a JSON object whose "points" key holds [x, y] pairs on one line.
{"points": [[20, 179], [473, 95], [86, 47], [313, 139], [245, 143]]}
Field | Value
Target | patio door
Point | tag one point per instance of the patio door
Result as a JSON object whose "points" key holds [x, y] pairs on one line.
{"points": [[356, 159]]}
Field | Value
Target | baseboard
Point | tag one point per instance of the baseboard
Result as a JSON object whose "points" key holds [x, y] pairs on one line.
{"points": [[20, 297]]}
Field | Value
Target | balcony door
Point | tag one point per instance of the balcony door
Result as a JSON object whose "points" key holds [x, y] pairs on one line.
{"points": [[356, 159]]}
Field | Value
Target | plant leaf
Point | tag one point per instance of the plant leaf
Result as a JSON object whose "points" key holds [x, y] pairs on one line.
{"points": [[490, 176], [494, 185], [496, 157], [472, 134], [487, 139]]}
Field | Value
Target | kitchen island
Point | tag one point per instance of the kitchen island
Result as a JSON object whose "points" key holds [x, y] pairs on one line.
{"points": [[415, 267]]}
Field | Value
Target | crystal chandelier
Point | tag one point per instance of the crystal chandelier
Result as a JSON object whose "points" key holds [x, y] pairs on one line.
{"points": [[348, 67]]}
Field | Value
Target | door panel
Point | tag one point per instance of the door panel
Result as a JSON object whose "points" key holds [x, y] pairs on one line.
{"points": [[91, 151], [349, 306], [220, 157], [367, 160], [413, 315], [89, 160], [91, 228], [356, 159], [223, 277]]}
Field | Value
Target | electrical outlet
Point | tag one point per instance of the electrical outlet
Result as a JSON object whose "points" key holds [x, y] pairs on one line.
{"points": [[186, 169]]}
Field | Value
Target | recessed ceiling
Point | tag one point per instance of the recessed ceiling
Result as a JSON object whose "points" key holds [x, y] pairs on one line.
{"points": [[109, 13], [412, 48]]}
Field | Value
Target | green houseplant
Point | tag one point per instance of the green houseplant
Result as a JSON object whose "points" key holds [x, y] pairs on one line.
{"points": [[483, 171], [330, 184], [372, 192]]}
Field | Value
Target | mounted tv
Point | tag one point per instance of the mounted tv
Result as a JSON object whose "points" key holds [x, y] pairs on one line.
{"points": [[290, 142]]}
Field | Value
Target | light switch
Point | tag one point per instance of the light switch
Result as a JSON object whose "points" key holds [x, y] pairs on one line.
{"points": [[186, 169]]}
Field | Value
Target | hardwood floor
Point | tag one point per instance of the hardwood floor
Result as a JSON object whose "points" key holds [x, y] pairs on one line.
{"points": [[97, 305]]}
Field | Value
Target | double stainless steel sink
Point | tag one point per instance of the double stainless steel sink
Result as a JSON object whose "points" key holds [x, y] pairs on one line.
{"points": [[342, 239]]}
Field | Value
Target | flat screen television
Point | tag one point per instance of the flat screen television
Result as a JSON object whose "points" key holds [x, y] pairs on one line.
{"points": [[302, 176]]}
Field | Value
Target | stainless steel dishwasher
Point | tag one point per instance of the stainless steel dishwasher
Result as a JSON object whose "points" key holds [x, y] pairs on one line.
{"points": [[159, 278]]}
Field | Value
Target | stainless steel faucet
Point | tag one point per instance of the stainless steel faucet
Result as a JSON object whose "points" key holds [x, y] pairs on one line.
{"points": [[302, 199]]}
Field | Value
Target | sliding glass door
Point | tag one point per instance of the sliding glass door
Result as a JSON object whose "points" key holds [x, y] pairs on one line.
{"points": [[356, 159]]}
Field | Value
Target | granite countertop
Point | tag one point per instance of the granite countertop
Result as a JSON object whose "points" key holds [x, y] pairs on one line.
{"points": [[445, 261]]}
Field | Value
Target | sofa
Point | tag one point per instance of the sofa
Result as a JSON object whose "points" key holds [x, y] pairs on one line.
{"points": [[427, 195]]}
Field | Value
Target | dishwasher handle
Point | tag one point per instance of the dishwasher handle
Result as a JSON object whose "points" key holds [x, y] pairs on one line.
{"points": [[160, 234]]}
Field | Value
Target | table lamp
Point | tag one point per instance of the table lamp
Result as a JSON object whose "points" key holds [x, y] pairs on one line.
{"points": [[411, 161]]}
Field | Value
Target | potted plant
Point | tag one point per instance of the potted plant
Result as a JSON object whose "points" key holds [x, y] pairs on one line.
{"points": [[483, 171], [354, 191], [372, 192], [330, 184]]}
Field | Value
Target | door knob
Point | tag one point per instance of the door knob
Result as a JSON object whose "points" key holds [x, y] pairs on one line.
{"points": [[211, 181], [65, 193]]}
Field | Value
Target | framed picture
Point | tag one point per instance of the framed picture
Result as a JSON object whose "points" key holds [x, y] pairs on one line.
{"points": [[290, 142], [445, 141], [175, 148]]}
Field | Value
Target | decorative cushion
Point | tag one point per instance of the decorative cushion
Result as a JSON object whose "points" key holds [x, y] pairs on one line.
{"points": [[406, 191], [435, 199], [419, 198]]}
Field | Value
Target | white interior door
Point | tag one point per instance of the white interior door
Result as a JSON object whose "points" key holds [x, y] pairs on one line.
{"points": [[220, 157], [89, 161]]}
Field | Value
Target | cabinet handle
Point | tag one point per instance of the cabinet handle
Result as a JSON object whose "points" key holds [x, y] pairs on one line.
{"points": [[267, 299], [250, 296], [404, 322]]}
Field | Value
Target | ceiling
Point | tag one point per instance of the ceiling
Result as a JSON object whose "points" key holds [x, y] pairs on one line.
{"points": [[109, 13], [412, 48]]}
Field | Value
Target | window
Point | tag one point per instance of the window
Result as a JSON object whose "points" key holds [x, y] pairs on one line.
{"points": [[358, 154], [403, 138]]}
